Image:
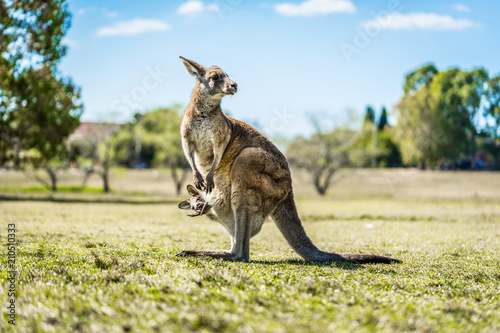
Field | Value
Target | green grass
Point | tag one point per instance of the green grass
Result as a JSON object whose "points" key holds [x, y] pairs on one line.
{"points": [[111, 267]]}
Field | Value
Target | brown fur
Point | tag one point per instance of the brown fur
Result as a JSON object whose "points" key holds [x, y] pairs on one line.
{"points": [[245, 177]]}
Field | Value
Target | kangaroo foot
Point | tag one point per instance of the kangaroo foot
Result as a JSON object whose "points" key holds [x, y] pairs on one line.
{"points": [[361, 258], [225, 255]]}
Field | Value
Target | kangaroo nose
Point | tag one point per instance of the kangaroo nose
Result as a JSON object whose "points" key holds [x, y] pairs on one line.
{"points": [[234, 85]]}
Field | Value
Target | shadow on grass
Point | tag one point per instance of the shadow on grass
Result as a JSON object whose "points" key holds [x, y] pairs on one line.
{"points": [[295, 262], [118, 200], [287, 262]]}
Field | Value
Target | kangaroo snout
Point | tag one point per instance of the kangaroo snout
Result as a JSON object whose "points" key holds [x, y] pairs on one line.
{"points": [[232, 87]]}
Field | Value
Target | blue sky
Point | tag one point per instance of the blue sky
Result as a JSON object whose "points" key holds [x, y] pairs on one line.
{"points": [[292, 60]]}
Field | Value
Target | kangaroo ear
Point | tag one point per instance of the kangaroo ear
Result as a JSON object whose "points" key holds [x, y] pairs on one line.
{"points": [[184, 205], [192, 190], [193, 68]]}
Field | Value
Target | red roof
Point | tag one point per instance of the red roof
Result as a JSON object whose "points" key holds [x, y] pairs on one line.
{"points": [[94, 130]]}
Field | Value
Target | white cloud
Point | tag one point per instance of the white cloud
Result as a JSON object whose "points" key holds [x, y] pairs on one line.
{"points": [[103, 11], [428, 21], [195, 8], [460, 7], [69, 42], [315, 7], [133, 27], [212, 7], [82, 11], [111, 14]]}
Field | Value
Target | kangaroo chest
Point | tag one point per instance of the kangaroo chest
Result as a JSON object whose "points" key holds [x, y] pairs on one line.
{"points": [[202, 136]]}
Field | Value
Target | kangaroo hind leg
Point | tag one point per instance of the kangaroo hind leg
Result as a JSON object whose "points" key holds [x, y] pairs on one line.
{"points": [[248, 224], [245, 225]]}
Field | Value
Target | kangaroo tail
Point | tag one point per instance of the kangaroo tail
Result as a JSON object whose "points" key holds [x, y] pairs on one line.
{"points": [[286, 218]]}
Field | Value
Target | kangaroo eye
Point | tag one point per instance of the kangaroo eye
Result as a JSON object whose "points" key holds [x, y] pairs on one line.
{"points": [[215, 77]]}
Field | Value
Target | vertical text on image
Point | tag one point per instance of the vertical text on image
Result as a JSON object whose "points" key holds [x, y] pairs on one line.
{"points": [[11, 270]]}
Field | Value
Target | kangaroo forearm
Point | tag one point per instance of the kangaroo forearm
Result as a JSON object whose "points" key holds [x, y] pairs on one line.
{"points": [[190, 159], [219, 149], [214, 165]]}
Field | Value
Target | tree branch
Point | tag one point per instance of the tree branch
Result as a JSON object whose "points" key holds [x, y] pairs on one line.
{"points": [[37, 178]]}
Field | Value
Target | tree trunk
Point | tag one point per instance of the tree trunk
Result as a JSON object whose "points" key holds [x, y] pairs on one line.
{"points": [[421, 164], [34, 176], [374, 147], [86, 177], [53, 179], [105, 169], [105, 181], [137, 151], [178, 181], [323, 184], [321, 190], [178, 186]]}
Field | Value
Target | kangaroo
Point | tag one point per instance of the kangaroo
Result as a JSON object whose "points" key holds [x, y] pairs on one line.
{"points": [[244, 176], [198, 202]]}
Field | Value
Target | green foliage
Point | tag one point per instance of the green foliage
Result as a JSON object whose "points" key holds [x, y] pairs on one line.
{"points": [[124, 145], [154, 140], [369, 115], [160, 137], [417, 132], [38, 109], [492, 110], [421, 77], [438, 115], [382, 123], [374, 148]]}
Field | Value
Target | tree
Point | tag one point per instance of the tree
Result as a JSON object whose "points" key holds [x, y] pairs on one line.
{"points": [[420, 77], [419, 131], [38, 108], [94, 150], [322, 155], [370, 128], [160, 136], [105, 151], [153, 140], [492, 109], [369, 115], [382, 122], [373, 148], [459, 94], [491, 131], [438, 113]]}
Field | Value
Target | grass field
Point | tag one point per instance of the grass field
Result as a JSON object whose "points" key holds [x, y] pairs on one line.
{"points": [[90, 262]]}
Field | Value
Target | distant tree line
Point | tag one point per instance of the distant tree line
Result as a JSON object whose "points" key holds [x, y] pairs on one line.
{"points": [[150, 140], [324, 153], [446, 119], [449, 119]]}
